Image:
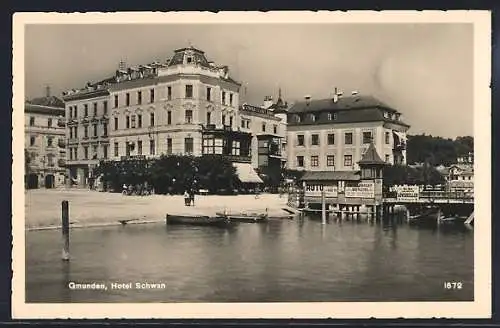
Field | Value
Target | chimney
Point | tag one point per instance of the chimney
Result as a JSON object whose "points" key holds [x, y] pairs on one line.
{"points": [[47, 91], [308, 99]]}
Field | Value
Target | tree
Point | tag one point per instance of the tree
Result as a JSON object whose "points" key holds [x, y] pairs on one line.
{"points": [[437, 150]]}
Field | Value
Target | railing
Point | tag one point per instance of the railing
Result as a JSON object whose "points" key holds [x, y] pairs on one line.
{"points": [[436, 195]]}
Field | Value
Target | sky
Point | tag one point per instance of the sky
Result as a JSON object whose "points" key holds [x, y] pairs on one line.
{"points": [[425, 71]]}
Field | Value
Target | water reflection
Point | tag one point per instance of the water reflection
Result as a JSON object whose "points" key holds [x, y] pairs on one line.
{"points": [[282, 260]]}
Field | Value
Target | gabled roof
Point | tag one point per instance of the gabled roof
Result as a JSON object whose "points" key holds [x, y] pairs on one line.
{"points": [[331, 176], [371, 157]]}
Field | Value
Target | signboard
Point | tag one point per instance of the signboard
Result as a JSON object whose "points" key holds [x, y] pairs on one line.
{"points": [[407, 193], [362, 190], [316, 189]]}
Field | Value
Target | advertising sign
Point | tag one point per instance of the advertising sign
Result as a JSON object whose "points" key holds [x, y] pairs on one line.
{"points": [[407, 193], [362, 190], [315, 190]]}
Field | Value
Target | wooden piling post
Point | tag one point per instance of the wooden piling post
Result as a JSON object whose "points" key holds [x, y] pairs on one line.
{"points": [[65, 229], [323, 207]]}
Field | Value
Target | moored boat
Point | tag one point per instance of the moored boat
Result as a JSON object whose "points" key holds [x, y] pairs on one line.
{"points": [[246, 217], [200, 220]]}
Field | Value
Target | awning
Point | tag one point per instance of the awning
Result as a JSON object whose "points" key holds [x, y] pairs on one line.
{"points": [[246, 173]]}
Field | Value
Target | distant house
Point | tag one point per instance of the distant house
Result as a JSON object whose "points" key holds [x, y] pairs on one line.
{"points": [[461, 178]]}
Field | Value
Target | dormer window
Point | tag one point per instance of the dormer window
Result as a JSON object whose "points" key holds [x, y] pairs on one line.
{"points": [[297, 118], [189, 60], [313, 117]]}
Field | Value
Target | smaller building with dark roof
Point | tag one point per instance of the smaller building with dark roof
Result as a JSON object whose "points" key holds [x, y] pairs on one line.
{"points": [[332, 134]]}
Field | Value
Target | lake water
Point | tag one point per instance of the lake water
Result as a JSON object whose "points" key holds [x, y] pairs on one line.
{"points": [[282, 260]]}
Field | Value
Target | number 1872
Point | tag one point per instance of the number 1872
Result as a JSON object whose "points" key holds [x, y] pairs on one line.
{"points": [[452, 285]]}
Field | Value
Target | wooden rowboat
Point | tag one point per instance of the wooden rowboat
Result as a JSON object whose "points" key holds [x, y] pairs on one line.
{"points": [[199, 220], [246, 217]]}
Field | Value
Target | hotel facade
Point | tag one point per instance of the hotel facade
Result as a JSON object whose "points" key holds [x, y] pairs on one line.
{"points": [[333, 134], [185, 106], [44, 143]]}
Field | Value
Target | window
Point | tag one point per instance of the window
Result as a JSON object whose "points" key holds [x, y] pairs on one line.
{"points": [[169, 146], [116, 102], [330, 160], [248, 124], [152, 95], [230, 121], [105, 107], [32, 121], [139, 97], [314, 161], [95, 130], [300, 161], [223, 119], [242, 123], [209, 94], [49, 122], [133, 121], [71, 154], [95, 109], [169, 93], [347, 160], [50, 160], [152, 147], [263, 126], [76, 153], [297, 118], [104, 129], [152, 119], [189, 91], [230, 99], [116, 123], [300, 140], [387, 158], [139, 120], [189, 60], [387, 136], [223, 97], [127, 99], [105, 151], [235, 148], [86, 110], [127, 122], [348, 138], [189, 116], [128, 148], [86, 131], [169, 117], [116, 149], [86, 152], [32, 141], [313, 117], [139, 147], [329, 116], [315, 139], [71, 133], [209, 116], [188, 145], [332, 116], [331, 139], [94, 152], [76, 132], [367, 137]]}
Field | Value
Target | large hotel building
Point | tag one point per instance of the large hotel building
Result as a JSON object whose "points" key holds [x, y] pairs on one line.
{"points": [[187, 106], [333, 134]]}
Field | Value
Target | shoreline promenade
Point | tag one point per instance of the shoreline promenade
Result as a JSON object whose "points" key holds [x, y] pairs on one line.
{"points": [[93, 208]]}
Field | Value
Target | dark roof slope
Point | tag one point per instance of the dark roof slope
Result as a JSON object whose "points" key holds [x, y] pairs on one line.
{"points": [[47, 101], [343, 103], [198, 57], [331, 176], [371, 156]]}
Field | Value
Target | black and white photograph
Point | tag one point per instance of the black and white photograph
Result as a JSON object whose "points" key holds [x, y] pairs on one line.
{"points": [[252, 165]]}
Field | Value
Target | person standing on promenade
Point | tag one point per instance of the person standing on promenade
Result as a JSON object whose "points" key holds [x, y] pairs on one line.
{"points": [[192, 196], [187, 198]]}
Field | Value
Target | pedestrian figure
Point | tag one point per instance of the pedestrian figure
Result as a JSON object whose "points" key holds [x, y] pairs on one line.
{"points": [[192, 196], [187, 198]]}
